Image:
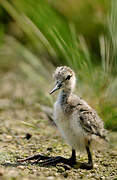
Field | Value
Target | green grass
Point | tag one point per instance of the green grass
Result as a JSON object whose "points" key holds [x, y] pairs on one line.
{"points": [[49, 38]]}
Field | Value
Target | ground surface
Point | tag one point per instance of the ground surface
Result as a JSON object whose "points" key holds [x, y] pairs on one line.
{"points": [[26, 130]]}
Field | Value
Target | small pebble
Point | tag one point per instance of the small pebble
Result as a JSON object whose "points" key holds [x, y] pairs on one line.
{"points": [[28, 136], [1, 173], [50, 149], [21, 167], [65, 174], [50, 178]]}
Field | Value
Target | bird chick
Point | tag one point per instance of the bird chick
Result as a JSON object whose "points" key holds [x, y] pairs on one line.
{"points": [[77, 122]]}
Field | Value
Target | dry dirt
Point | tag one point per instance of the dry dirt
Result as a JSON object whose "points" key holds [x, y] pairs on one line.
{"points": [[26, 130]]}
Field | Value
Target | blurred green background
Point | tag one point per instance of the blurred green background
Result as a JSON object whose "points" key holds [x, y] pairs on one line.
{"points": [[36, 36]]}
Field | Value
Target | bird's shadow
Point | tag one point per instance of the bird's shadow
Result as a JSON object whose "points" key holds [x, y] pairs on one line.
{"points": [[13, 164], [16, 164]]}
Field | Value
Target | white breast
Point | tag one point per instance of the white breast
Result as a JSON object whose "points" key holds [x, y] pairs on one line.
{"points": [[69, 127]]}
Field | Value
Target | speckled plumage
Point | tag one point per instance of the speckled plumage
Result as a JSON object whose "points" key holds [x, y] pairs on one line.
{"points": [[78, 123]]}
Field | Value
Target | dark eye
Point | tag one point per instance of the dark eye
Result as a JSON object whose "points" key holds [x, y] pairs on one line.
{"points": [[68, 77]]}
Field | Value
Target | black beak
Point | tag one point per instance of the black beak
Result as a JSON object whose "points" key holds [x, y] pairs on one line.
{"points": [[57, 86]]}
